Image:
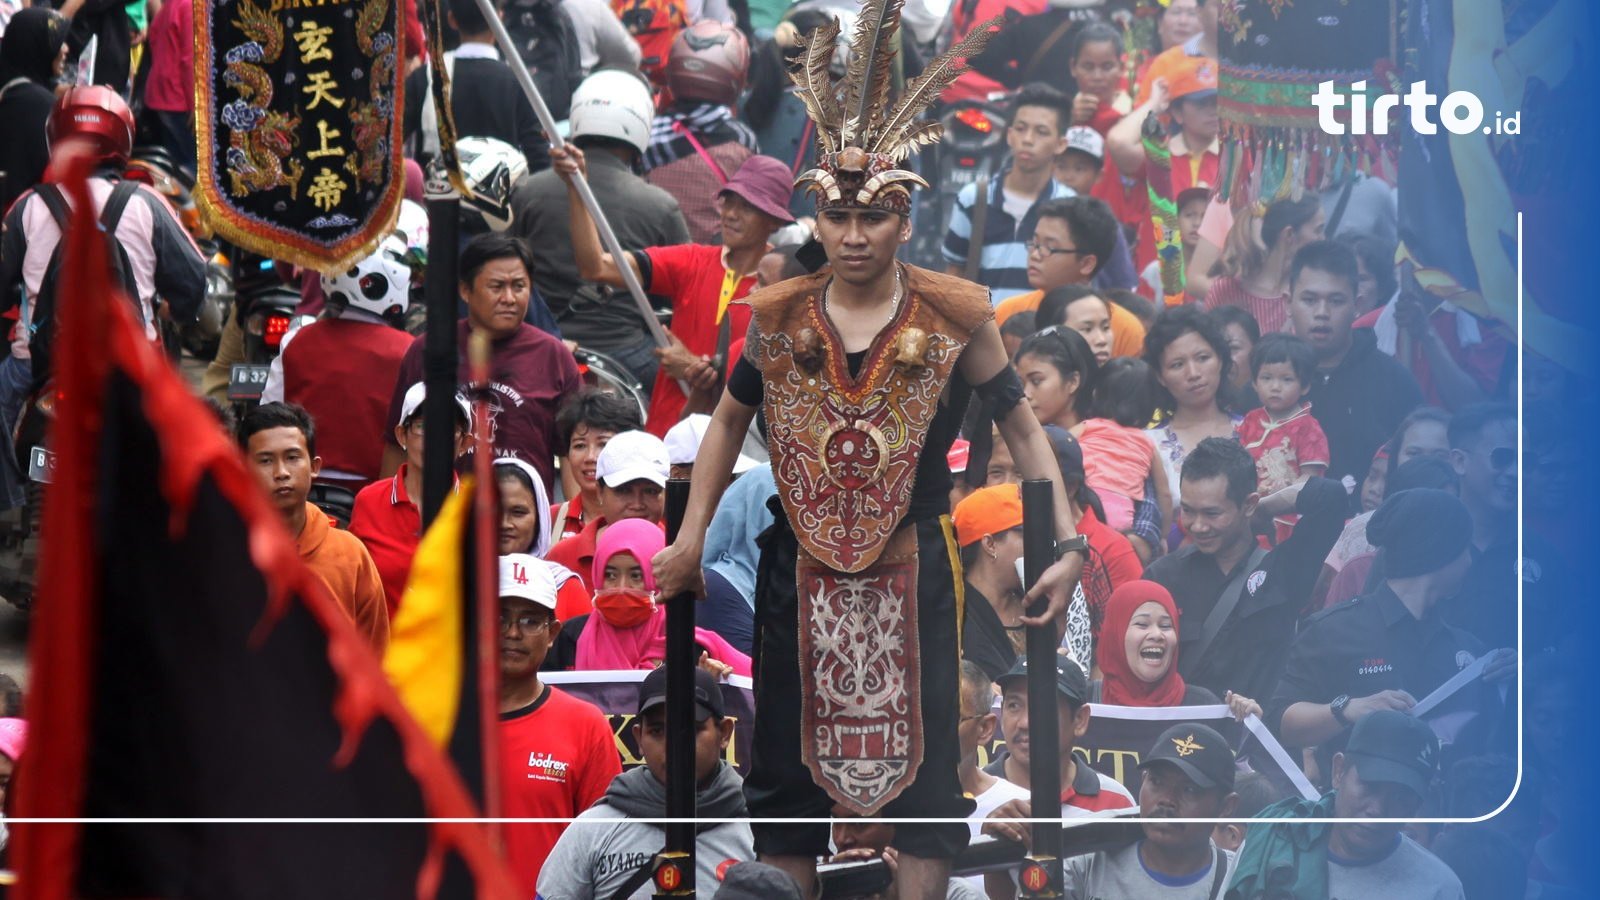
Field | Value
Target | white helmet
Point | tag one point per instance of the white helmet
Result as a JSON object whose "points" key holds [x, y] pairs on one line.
{"points": [[491, 168], [411, 227], [614, 104], [379, 284]]}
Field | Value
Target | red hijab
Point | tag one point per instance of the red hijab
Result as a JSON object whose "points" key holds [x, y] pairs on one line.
{"points": [[1119, 686]]}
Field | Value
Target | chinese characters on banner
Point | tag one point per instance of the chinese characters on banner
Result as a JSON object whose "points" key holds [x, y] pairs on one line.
{"points": [[298, 110]]}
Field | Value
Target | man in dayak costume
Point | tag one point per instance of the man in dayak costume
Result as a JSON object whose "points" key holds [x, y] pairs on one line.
{"points": [[865, 369]]}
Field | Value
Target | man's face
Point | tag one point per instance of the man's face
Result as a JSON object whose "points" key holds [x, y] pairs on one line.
{"points": [[769, 270], [1211, 519], [497, 299], [860, 834], [861, 243], [1070, 724], [526, 632], [1322, 308], [583, 450], [1036, 138], [976, 727], [742, 224], [637, 499], [1360, 799], [1054, 260], [1002, 468], [1167, 793], [711, 739], [283, 466], [1488, 467]]}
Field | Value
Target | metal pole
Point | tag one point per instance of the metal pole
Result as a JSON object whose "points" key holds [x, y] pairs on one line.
{"points": [[675, 869], [608, 238], [1041, 875], [440, 354]]}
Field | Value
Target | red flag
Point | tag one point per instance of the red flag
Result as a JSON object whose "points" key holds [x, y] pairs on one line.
{"points": [[185, 663]]}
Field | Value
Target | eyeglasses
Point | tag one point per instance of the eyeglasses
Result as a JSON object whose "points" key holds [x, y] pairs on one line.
{"points": [[1037, 249], [1503, 457], [524, 622]]}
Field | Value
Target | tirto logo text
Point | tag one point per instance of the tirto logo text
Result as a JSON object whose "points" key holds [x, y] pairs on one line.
{"points": [[1460, 113]]}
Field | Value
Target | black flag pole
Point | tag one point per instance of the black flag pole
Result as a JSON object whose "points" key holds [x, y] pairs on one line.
{"points": [[674, 867], [440, 358], [1040, 876]]}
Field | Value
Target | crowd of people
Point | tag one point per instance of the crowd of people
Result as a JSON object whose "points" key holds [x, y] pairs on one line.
{"points": [[1297, 480]]}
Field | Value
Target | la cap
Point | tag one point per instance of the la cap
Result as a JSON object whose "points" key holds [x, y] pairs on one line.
{"points": [[631, 456], [527, 577]]}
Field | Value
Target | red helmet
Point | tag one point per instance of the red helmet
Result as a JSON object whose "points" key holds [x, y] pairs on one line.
{"points": [[97, 113], [708, 62]]}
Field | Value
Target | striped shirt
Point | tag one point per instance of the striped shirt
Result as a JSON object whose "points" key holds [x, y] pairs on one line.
{"points": [[1271, 313], [1003, 266]]}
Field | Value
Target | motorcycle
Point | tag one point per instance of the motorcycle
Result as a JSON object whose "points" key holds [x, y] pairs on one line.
{"points": [[607, 374], [266, 311], [973, 148]]}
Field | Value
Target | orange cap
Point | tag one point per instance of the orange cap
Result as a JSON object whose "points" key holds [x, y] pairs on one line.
{"points": [[1192, 75], [990, 510]]}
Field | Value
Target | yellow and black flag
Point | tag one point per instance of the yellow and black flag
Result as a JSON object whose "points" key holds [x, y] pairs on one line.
{"points": [[187, 666]]}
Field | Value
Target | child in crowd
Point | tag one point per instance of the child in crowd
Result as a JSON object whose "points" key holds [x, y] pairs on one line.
{"points": [[1118, 458], [1191, 205], [1096, 64], [1283, 438], [1078, 167]]}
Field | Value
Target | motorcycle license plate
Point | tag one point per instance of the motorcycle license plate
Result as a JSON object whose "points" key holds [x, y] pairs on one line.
{"points": [[41, 465], [246, 381], [963, 176]]}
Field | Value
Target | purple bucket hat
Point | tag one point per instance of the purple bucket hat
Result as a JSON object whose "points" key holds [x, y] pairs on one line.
{"points": [[765, 183]]}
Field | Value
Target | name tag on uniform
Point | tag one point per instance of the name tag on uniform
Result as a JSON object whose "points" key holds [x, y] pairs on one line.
{"points": [[246, 381], [41, 465]]}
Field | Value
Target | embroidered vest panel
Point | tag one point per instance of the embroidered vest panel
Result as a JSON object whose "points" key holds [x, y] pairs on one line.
{"points": [[845, 449]]}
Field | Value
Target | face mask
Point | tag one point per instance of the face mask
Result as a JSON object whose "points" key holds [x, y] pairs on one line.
{"points": [[624, 607]]}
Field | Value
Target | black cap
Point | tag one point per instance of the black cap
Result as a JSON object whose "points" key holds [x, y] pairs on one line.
{"points": [[707, 693], [1392, 747], [1070, 680], [756, 881], [1198, 751]]}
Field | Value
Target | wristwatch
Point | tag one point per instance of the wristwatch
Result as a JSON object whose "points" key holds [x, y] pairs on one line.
{"points": [[1337, 708], [1075, 544]]}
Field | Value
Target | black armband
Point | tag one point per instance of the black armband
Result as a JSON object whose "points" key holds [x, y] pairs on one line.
{"points": [[1002, 393]]}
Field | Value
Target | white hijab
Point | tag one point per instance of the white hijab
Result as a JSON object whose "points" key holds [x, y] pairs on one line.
{"points": [[541, 502]]}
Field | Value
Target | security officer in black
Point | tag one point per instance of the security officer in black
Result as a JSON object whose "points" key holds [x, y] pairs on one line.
{"points": [[1239, 605], [1390, 648]]}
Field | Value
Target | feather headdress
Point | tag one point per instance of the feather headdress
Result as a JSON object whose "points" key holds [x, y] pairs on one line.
{"points": [[861, 140]]}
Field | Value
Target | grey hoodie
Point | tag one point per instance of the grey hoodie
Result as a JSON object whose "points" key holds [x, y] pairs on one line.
{"points": [[607, 842]]}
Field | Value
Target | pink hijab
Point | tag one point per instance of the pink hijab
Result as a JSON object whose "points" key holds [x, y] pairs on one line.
{"points": [[603, 646]]}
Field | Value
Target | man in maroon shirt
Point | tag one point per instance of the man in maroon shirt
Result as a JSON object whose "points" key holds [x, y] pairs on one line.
{"points": [[530, 372]]}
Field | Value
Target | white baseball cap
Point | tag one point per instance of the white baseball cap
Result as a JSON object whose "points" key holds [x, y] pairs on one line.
{"points": [[683, 444], [413, 402], [528, 577], [630, 456], [1086, 140]]}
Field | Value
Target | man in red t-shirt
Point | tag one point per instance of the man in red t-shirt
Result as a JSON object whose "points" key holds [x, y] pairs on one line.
{"points": [[557, 753], [703, 281]]}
